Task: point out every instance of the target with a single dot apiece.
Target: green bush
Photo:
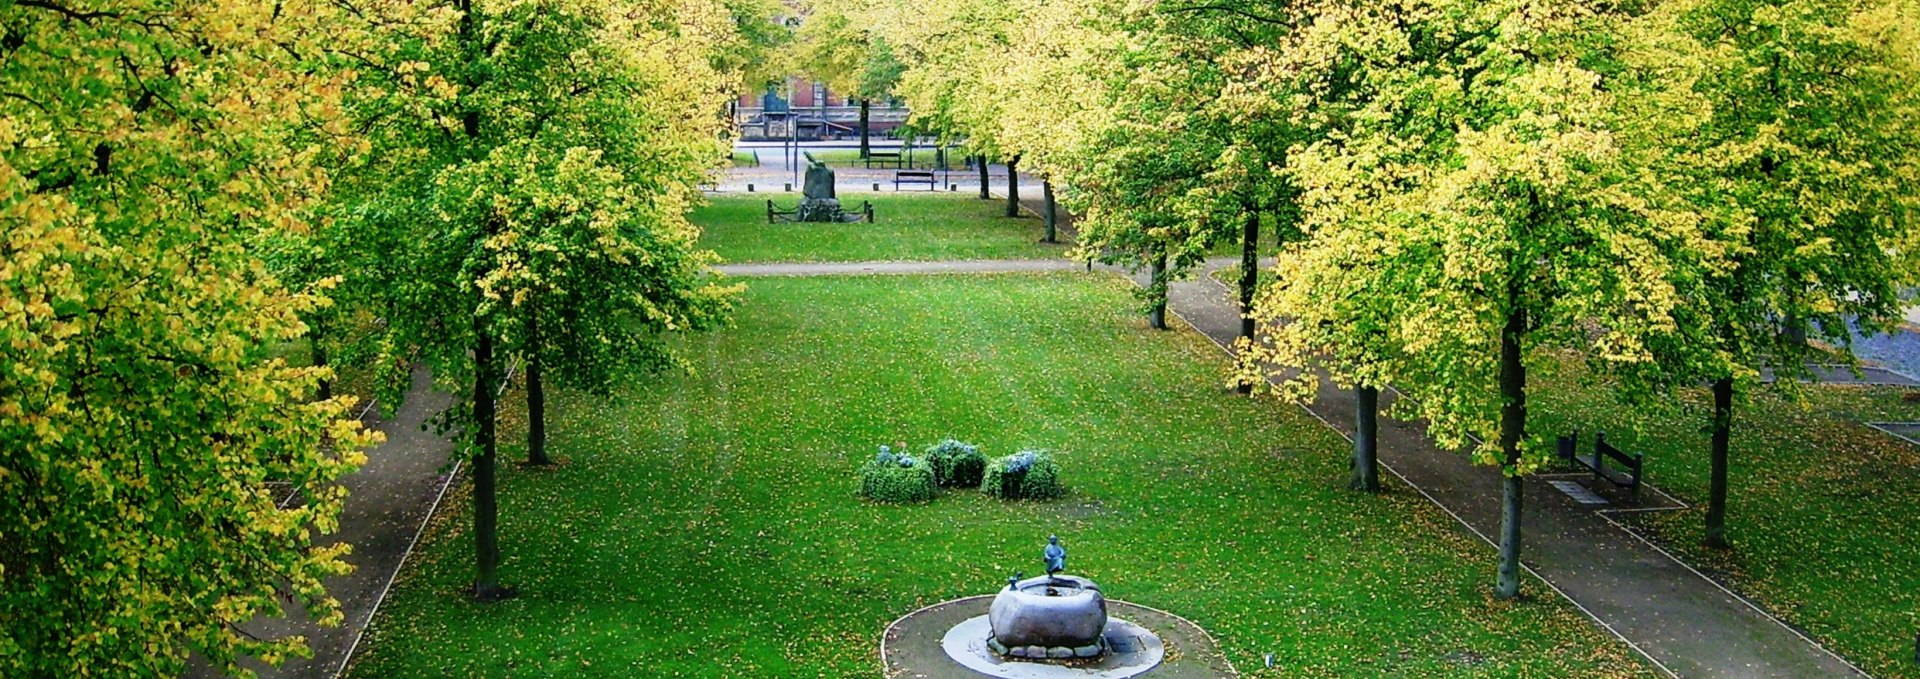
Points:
(1026, 475)
(896, 478)
(956, 463)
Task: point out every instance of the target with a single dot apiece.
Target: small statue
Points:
(1013, 581)
(1055, 555)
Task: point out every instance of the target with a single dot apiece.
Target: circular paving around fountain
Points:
(937, 642)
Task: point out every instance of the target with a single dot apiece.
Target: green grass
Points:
(708, 525)
(745, 158)
(923, 157)
(1821, 507)
(906, 227)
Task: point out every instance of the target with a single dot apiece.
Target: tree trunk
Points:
(486, 509)
(1013, 186)
(866, 110)
(1046, 190)
(1513, 425)
(982, 162)
(536, 399)
(1717, 484)
(1249, 271)
(1366, 440)
(1249, 278)
(324, 390)
(1157, 314)
(1795, 332)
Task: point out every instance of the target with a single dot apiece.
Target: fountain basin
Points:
(1048, 617)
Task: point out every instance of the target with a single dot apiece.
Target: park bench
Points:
(885, 158)
(1630, 466)
(914, 177)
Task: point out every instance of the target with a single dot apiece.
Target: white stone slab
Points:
(966, 643)
(1579, 493)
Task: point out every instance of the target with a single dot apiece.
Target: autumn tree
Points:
(955, 77)
(1792, 128)
(145, 147)
(1062, 89)
(540, 157)
(1467, 200)
(837, 44)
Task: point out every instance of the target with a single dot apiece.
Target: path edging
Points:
(1603, 514)
(452, 473)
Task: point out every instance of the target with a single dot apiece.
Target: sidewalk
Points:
(388, 499)
(775, 178)
(1684, 622)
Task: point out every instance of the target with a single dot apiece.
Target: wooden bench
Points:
(1630, 466)
(884, 158)
(914, 177)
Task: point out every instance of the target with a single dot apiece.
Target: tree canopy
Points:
(145, 416)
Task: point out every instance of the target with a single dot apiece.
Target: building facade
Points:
(809, 111)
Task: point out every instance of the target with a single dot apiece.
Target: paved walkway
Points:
(1685, 623)
(389, 499)
(776, 178)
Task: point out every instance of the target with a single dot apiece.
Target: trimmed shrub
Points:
(896, 478)
(1026, 475)
(956, 463)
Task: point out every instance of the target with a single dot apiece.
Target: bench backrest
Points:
(1601, 447)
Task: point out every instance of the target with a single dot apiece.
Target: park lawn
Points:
(708, 524)
(1820, 506)
(907, 227)
(922, 156)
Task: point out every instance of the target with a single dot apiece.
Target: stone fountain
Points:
(1053, 617)
(1054, 626)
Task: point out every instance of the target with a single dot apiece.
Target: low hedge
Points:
(1026, 475)
(896, 478)
(956, 464)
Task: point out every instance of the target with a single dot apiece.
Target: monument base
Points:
(1131, 651)
(939, 642)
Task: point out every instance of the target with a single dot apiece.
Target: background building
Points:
(818, 112)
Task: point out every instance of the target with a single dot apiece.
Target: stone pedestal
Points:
(820, 210)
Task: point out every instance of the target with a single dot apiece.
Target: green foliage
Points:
(1804, 202)
(1816, 494)
(1441, 228)
(530, 166)
(147, 148)
(564, 213)
(836, 44)
(902, 479)
(680, 492)
(956, 464)
(1026, 475)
